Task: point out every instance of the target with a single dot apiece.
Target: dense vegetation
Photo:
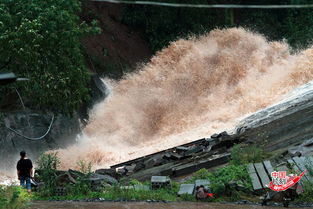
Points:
(161, 25)
(13, 197)
(40, 40)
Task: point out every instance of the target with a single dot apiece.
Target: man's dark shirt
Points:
(24, 166)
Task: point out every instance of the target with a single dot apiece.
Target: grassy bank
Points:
(13, 197)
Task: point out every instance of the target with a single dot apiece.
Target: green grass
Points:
(13, 197)
(116, 193)
(307, 195)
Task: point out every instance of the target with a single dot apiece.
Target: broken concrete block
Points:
(110, 172)
(97, 179)
(181, 149)
(130, 169)
(195, 165)
(186, 189)
(173, 156)
(215, 136)
(160, 182)
(121, 171)
(139, 166)
(153, 162)
(193, 149)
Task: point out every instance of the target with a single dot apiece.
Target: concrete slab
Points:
(186, 189)
(203, 182)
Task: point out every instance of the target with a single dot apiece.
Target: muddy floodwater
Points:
(142, 205)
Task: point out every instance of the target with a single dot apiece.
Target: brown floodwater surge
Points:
(189, 90)
(142, 205)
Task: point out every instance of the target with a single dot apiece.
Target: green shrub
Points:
(82, 186)
(13, 197)
(40, 40)
(307, 195)
(291, 24)
(241, 155)
(47, 165)
(221, 177)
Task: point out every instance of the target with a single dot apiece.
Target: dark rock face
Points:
(33, 124)
(282, 125)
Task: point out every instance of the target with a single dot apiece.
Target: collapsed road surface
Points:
(144, 205)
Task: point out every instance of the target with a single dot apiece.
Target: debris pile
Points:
(181, 160)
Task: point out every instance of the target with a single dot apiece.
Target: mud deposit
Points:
(141, 205)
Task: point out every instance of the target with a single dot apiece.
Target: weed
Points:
(47, 165)
(12, 197)
(241, 155)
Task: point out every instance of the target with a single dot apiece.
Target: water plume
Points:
(189, 90)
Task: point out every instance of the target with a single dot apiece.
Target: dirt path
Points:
(141, 205)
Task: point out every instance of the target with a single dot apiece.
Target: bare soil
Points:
(117, 44)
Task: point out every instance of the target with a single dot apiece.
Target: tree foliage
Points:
(161, 25)
(40, 40)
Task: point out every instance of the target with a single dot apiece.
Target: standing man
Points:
(24, 171)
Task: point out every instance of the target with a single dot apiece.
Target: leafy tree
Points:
(40, 40)
(161, 25)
